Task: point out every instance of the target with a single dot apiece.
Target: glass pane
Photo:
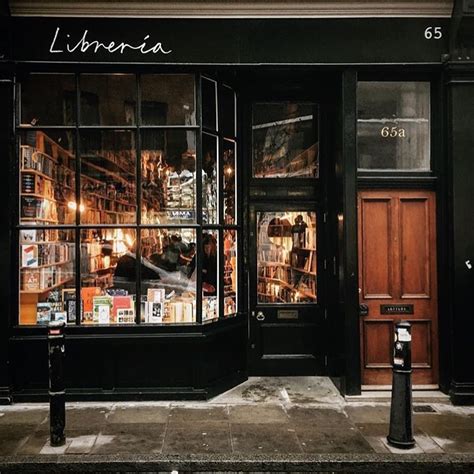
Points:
(393, 129)
(230, 272)
(168, 177)
(48, 99)
(108, 188)
(227, 116)
(108, 276)
(209, 104)
(47, 276)
(108, 99)
(210, 276)
(168, 99)
(286, 257)
(230, 177)
(168, 276)
(285, 142)
(209, 179)
(47, 178)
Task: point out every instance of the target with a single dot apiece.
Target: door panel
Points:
(377, 223)
(397, 279)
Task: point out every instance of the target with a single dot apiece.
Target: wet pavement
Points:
(264, 416)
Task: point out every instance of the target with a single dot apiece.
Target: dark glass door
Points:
(286, 290)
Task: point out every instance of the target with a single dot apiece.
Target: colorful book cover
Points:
(87, 296)
(43, 313)
(121, 302)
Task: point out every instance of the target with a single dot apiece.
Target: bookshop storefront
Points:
(251, 198)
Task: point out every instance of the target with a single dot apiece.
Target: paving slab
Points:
(332, 440)
(182, 414)
(318, 417)
(130, 439)
(264, 438)
(23, 416)
(197, 438)
(137, 414)
(368, 413)
(257, 414)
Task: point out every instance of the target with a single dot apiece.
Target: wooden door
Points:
(397, 281)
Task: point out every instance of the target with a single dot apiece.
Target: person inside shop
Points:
(209, 265)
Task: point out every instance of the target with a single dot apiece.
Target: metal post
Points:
(401, 420)
(57, 394)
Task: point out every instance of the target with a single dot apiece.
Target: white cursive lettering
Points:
(83, 45)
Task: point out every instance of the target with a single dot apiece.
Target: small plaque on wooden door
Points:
(396, 309)
(287, 314)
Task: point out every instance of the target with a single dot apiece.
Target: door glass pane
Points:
(286, 257)
(393, 126)
(285, 140)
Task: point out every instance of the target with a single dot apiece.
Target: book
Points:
(87, 297)
(43, 313)
(29, 255)
(101, 311)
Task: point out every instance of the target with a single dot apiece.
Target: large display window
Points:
(127, 200)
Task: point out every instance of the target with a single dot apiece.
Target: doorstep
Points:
(419, 396)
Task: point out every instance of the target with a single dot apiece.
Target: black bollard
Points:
(401, 420)
(57, 394)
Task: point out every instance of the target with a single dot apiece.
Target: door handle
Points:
(260, 316)
(363, 310)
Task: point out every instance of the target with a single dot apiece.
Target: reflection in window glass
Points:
(47, 276)
(108, 186)
(108, 99)
(227, 106)
(47, 178)
(230, 272)
(209, 104)
(48, 99)
(168, 176)
(393, 128)
(230, 176)
(285, 140)
(286, 257)
(210, 278)
(168, 276)
(168, 99)
(108, 276)
(209, 179)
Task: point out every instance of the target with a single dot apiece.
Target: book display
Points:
(286, 257)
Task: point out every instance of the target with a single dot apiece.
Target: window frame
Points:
(138, 226)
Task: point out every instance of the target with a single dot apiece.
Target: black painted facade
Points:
(321, 59)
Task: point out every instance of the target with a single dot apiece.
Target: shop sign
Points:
(63, 42)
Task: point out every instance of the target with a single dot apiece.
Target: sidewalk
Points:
(298, 424)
